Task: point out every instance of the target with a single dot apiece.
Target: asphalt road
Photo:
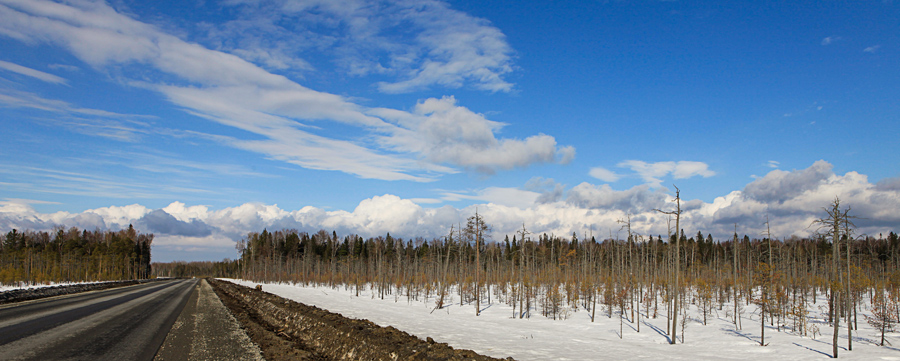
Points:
(128, 323)
(206, 330)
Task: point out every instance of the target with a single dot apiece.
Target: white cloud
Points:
(872, 49)
(779, 185)
(225, 88)
(511, 197)
(64, 67)
(174, 165)
(688, 169)
(773, 164)
(194, 244)
(586, 207)
(446, 133)
(548, 189)
(888, 184)
(426, 200)
(604, 174)
(653, 172)
(794, 199)
(160, 221)
(830, 39)
(53, 181)
(186, 214)
(37, 74)
(460, 49)
(422, 43)
(26, 201)
(22, 99)
(566, 154)
(637, 199)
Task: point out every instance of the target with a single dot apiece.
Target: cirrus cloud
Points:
(422, 43)
(37, 74)
(282, 118)
(652, 173)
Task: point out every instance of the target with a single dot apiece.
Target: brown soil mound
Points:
(285, 329)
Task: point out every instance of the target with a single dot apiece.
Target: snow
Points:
(496, 333)
(20, 286)
(26, 286)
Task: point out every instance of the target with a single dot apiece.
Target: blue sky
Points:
(201, 121)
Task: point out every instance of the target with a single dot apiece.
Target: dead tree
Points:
(734, 247)
(675, 283)
(833, 223)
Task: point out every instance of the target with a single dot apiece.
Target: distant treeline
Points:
(225, 268)
(290, 255)
(634, 277)
(73, 255)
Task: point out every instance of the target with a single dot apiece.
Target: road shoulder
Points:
(206, 330)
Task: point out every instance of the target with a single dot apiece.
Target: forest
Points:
(537, 275)
(639, 276)
(224, 268)
(73, 255)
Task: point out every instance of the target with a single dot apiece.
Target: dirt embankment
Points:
(35, 293)
(285, 329)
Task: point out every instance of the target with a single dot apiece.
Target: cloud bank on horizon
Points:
(203, 121)
(792, 201)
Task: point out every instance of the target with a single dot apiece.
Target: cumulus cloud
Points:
(795, 199)
(888, 184)
(584, 209)
(635, 200)
(444, 132)
(281, 114)
(779, 185)
(548, 189)
(159, 221)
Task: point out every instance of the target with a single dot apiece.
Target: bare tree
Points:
(833, 224)
(734, 247)
(477, 229)
(883, 313)
(446, 265)
(675, 283)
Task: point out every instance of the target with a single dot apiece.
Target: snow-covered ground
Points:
(20, 286)
(496, 333)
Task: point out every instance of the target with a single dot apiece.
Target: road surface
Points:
(206, 330)
(127, 323)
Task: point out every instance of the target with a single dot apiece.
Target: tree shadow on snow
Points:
(632, 327)
(486, 307)
(741, 334)
(830, 345)
(814, 350)
(659, 331)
